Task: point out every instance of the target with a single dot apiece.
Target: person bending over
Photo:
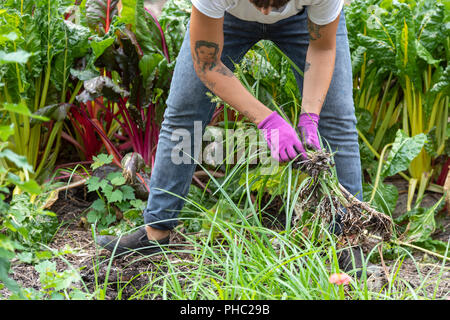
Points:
(312, 33)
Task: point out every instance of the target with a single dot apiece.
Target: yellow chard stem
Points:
(420, 126)
(411, 190)
(405, 118)
(363, 67)
(380, 166)
(53, 135)
(426, 176)
(434, 110)
(409, 102)
(46, 81)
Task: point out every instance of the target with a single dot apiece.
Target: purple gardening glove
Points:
(308, 124)
(289, 146)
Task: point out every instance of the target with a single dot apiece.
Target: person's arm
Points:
(319, 65)
(206, 35)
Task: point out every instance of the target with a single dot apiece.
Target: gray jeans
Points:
(188, 102)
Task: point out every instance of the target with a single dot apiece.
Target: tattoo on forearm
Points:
(307, 66)
(206, 59)
(206, 53)
(209, 84)
(225, 71)
(314, 30)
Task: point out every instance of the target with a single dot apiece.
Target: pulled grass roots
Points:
(328, 199)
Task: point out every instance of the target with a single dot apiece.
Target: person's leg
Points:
(186, 104)
(188, 112)
(337, 125)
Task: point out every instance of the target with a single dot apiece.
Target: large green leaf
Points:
(443, 84)
(128, 13)
(358, 59)
(403, 151)
(100, 45)
(147, 33)
(4, 270)
(364, 120)
(406, 61)
(421, 222)
(99, 14)
(34, 43)
(21, 108)
(429, 32)
(56, 112)
(425, 54)
(385, 199)
(356, 16)
(148, 66)
(6, 131)
(19, 161)
(173, 19)
(381, 51)
(7, 35)
(77, 46)
(30, 186)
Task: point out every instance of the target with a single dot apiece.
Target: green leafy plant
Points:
(400, 53)
(417, 224)
(22, 218)
(54, 284)
(402, 151)
(40, 47)
(25, 226)
(28, 223)
(116, 200)
(58, 285)
(126, 80)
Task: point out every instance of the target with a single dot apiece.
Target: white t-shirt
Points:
(319, 11)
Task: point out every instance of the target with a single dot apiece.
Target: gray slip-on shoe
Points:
(351, 260)
(134, 242)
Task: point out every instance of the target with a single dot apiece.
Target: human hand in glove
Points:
(289, 145)
(307, 125)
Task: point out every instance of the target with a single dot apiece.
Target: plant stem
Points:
(380, 166)
(401, 243)
(411, 189)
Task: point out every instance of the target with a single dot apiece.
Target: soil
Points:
(132, 271)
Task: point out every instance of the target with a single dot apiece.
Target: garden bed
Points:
(129, 276)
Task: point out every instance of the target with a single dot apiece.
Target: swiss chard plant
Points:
(126, 80)
(38, 49)
(400, 53)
